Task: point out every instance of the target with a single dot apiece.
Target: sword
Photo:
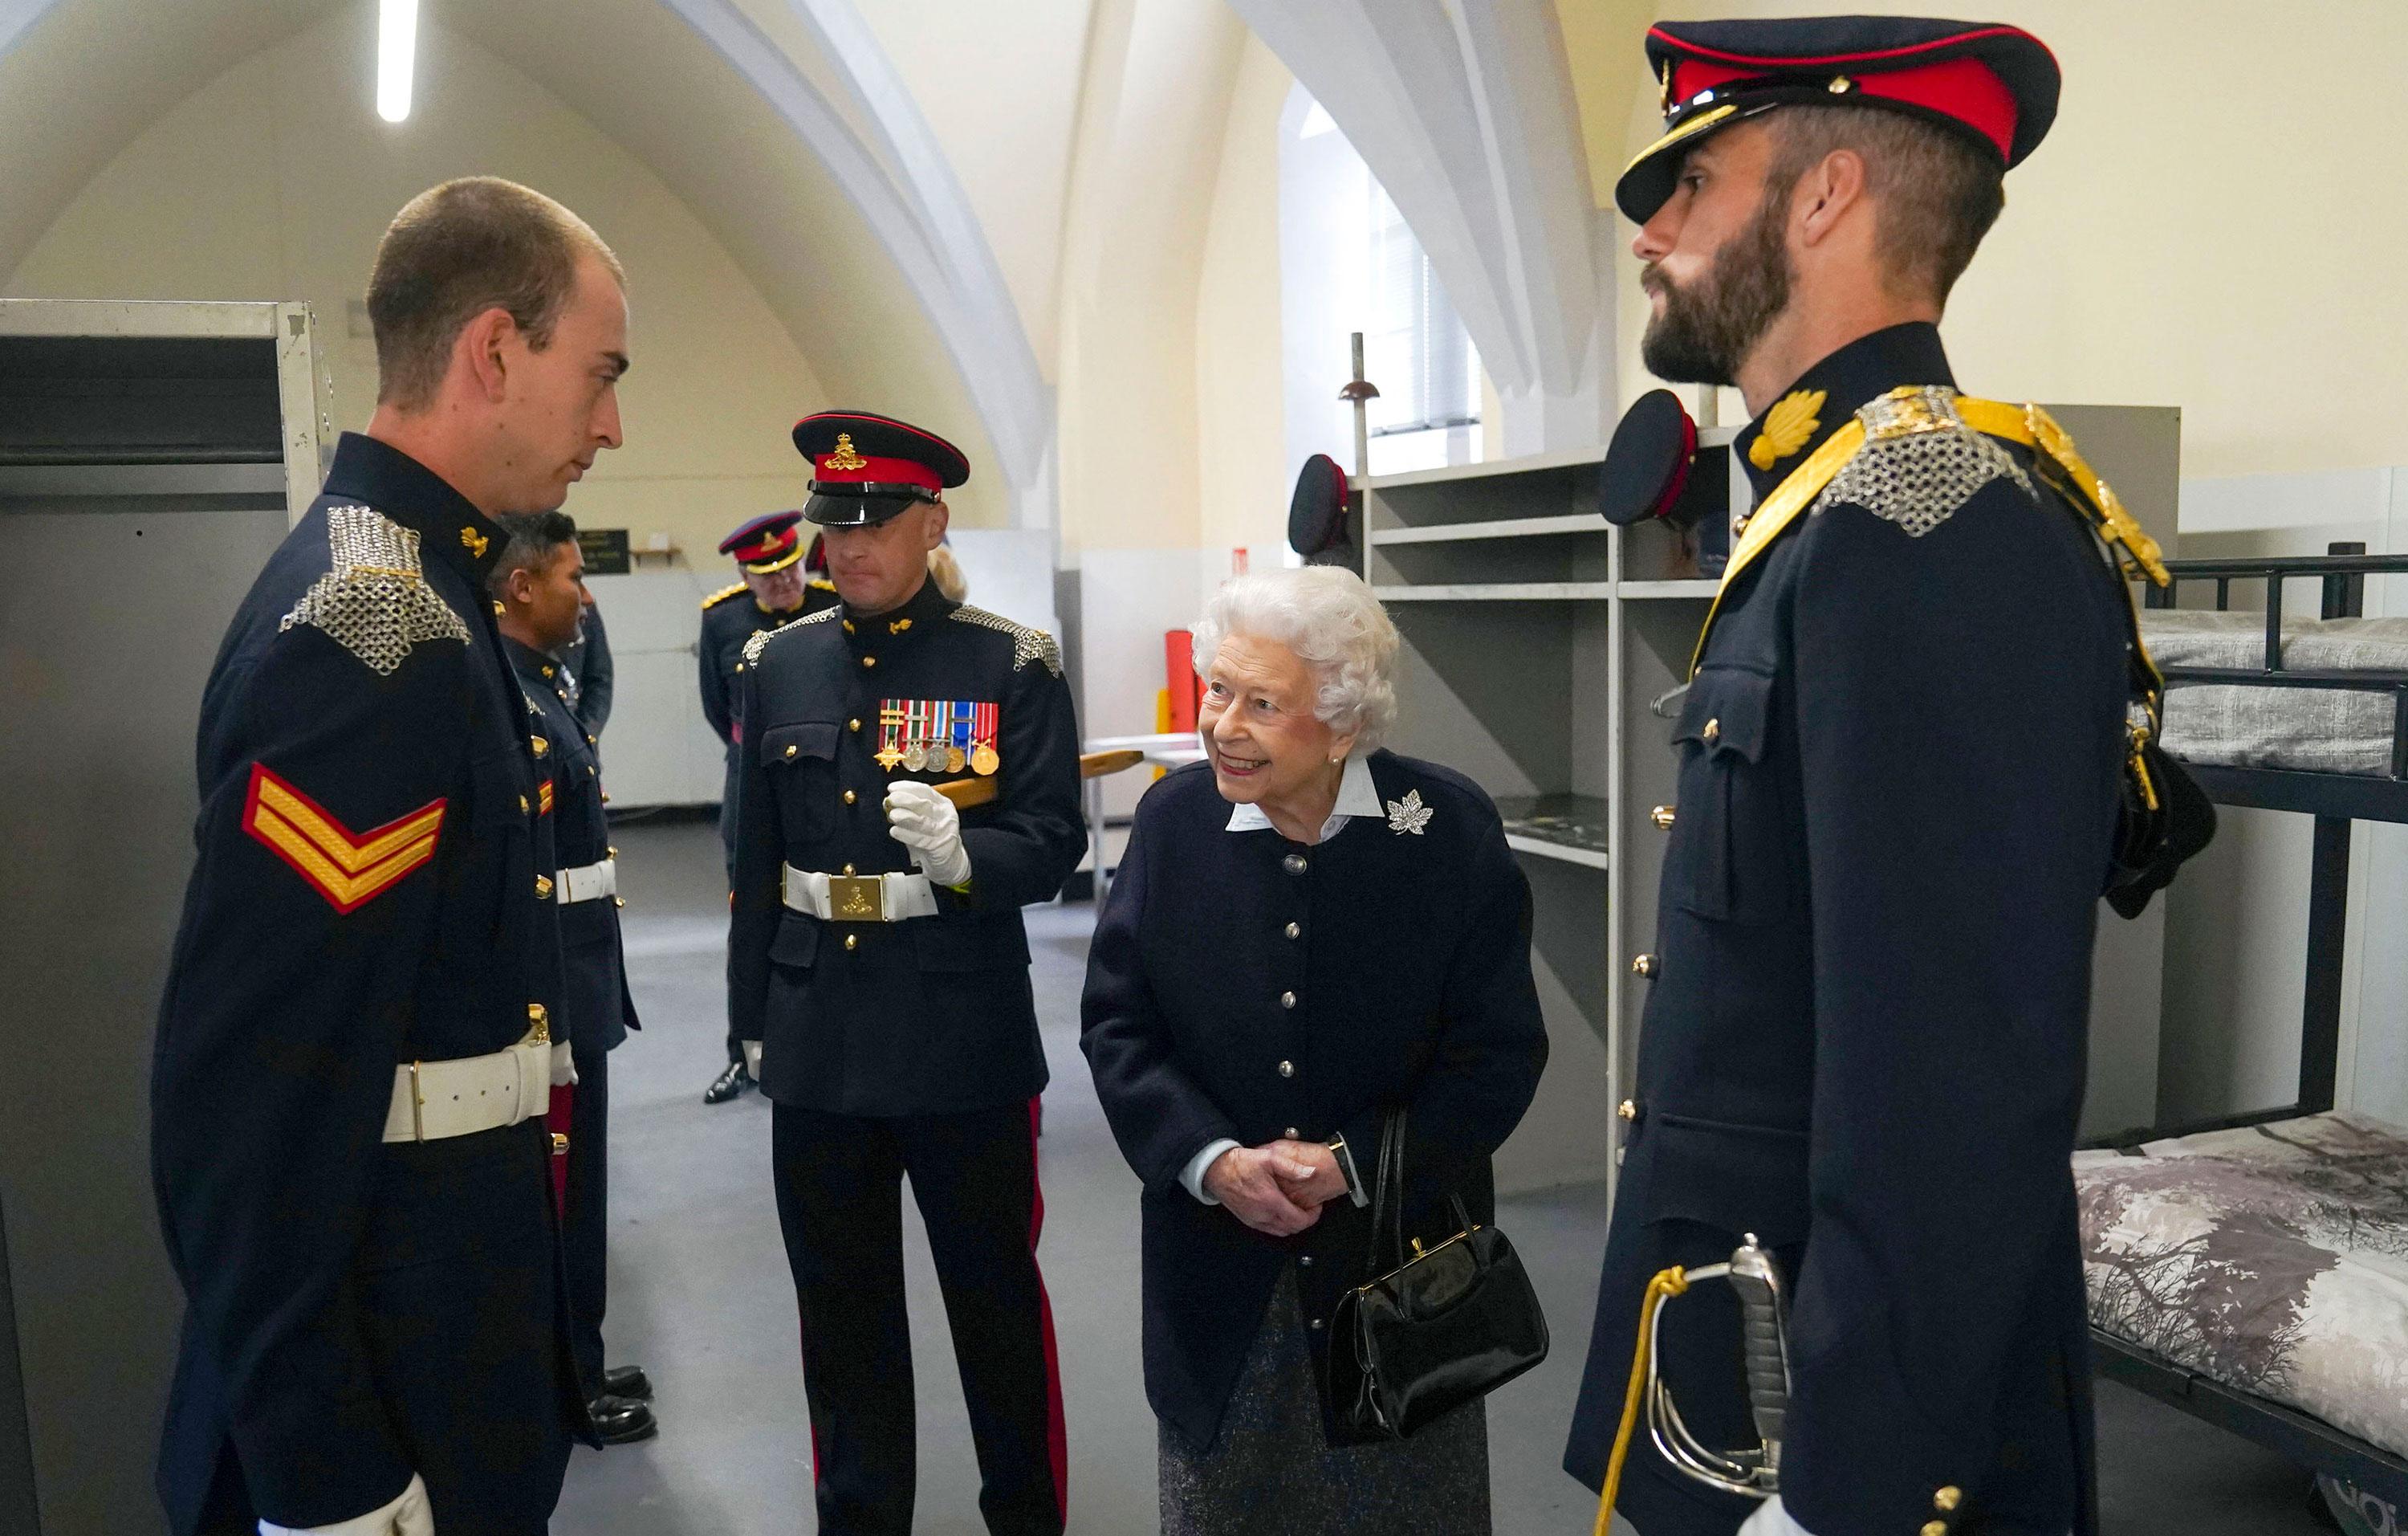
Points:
(965, 793)
(1754, 1472)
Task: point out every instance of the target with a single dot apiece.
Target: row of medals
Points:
(943, 758)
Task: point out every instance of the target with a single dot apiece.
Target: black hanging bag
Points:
(1432, 1331)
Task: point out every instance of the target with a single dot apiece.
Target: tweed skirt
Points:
(1271, 1472)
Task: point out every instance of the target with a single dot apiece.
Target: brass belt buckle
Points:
(856, 899)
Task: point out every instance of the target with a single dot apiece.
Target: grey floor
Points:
(700, 1294)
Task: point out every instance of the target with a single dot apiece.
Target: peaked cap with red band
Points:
(1995, 84)
(866, 468)
(767, 543)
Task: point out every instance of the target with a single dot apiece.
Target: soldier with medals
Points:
(782, 582)
(363, 1016)
(1918, 722)
(539, 586)
(879, 976)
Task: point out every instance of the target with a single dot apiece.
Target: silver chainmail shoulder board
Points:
(1028, 644)
(374, 600)
(1920, 462)
(761, 638)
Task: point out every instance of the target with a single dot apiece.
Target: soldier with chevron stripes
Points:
(362, 1022)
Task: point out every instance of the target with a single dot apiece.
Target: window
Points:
(1348, 263)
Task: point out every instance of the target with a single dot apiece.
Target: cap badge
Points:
(1841, 85)
(474, 541)
(1786, 428)
(844, 457)
(1663, 91)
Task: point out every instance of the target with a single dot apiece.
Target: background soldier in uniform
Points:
(879, 970)
(540, 588)
(1899, 792)
(778, 578)
(357, 1036)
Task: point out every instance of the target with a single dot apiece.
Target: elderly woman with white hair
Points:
(1307, 933)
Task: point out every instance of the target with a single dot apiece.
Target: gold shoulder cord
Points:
(2028, 425)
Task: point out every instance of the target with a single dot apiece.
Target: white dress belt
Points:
(859, 898)
(433, 1100)
(587, 883)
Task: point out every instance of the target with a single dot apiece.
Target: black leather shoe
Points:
(622, 1421)
(627, 1381)
(731, 1082)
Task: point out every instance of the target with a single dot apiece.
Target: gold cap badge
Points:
(1786, 428)
(844, 457)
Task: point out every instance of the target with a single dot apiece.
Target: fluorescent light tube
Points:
(397, 53)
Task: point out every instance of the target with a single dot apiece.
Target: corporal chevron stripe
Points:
(348, 870)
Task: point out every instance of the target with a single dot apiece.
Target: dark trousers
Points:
(727, 848)
(839, 1204)
(585, 1212)
(456, 1298)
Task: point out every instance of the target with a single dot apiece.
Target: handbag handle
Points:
(1388, 1196)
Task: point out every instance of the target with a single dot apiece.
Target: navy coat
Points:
(730, 618)
(365, 895)
(928, 1015)
(1865, 1040)
(1408, 956)
(593, 961)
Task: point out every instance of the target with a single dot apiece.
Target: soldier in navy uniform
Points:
(364, 1014)
(880, 974)
(539, 587)
(1901, 759)
(783, 582)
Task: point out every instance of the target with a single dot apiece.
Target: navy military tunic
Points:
(372, 888)
(730, 618)
(1244, 986)
(931, 1014)
(1865, 1043)
(594, 997)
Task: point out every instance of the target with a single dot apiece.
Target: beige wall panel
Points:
(250, 189)
(2195, 231)
(1239, 403)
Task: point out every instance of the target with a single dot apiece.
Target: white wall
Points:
(2206, 226)
(252, 189)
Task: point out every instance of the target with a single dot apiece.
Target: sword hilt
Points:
(1763, 1317)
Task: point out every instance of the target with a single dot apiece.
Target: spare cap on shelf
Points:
(1647, 463)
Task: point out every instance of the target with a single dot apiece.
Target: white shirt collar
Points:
(1357, 795)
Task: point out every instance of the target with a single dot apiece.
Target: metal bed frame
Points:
(2334, 800)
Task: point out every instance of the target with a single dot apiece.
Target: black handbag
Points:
(1452, 1323)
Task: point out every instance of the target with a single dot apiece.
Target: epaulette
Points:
(761, 638)
(1915, 455)
(1028, 644)
(723, 594)
(374, 600)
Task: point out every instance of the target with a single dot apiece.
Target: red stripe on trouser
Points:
(813, 1417)
(555, 1120)
(1057, 1441)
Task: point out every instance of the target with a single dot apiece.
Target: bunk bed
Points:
(2252, 1269)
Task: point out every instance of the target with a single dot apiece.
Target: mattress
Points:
(2323, 730)
(2274, 1259)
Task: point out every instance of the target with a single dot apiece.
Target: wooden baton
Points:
(965, 793)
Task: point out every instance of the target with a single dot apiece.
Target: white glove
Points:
(927, 822)
(563, 1070)
(409, 1515)
(752, 1058)
(1772, 1520)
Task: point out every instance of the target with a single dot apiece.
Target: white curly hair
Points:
(1327, 616)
